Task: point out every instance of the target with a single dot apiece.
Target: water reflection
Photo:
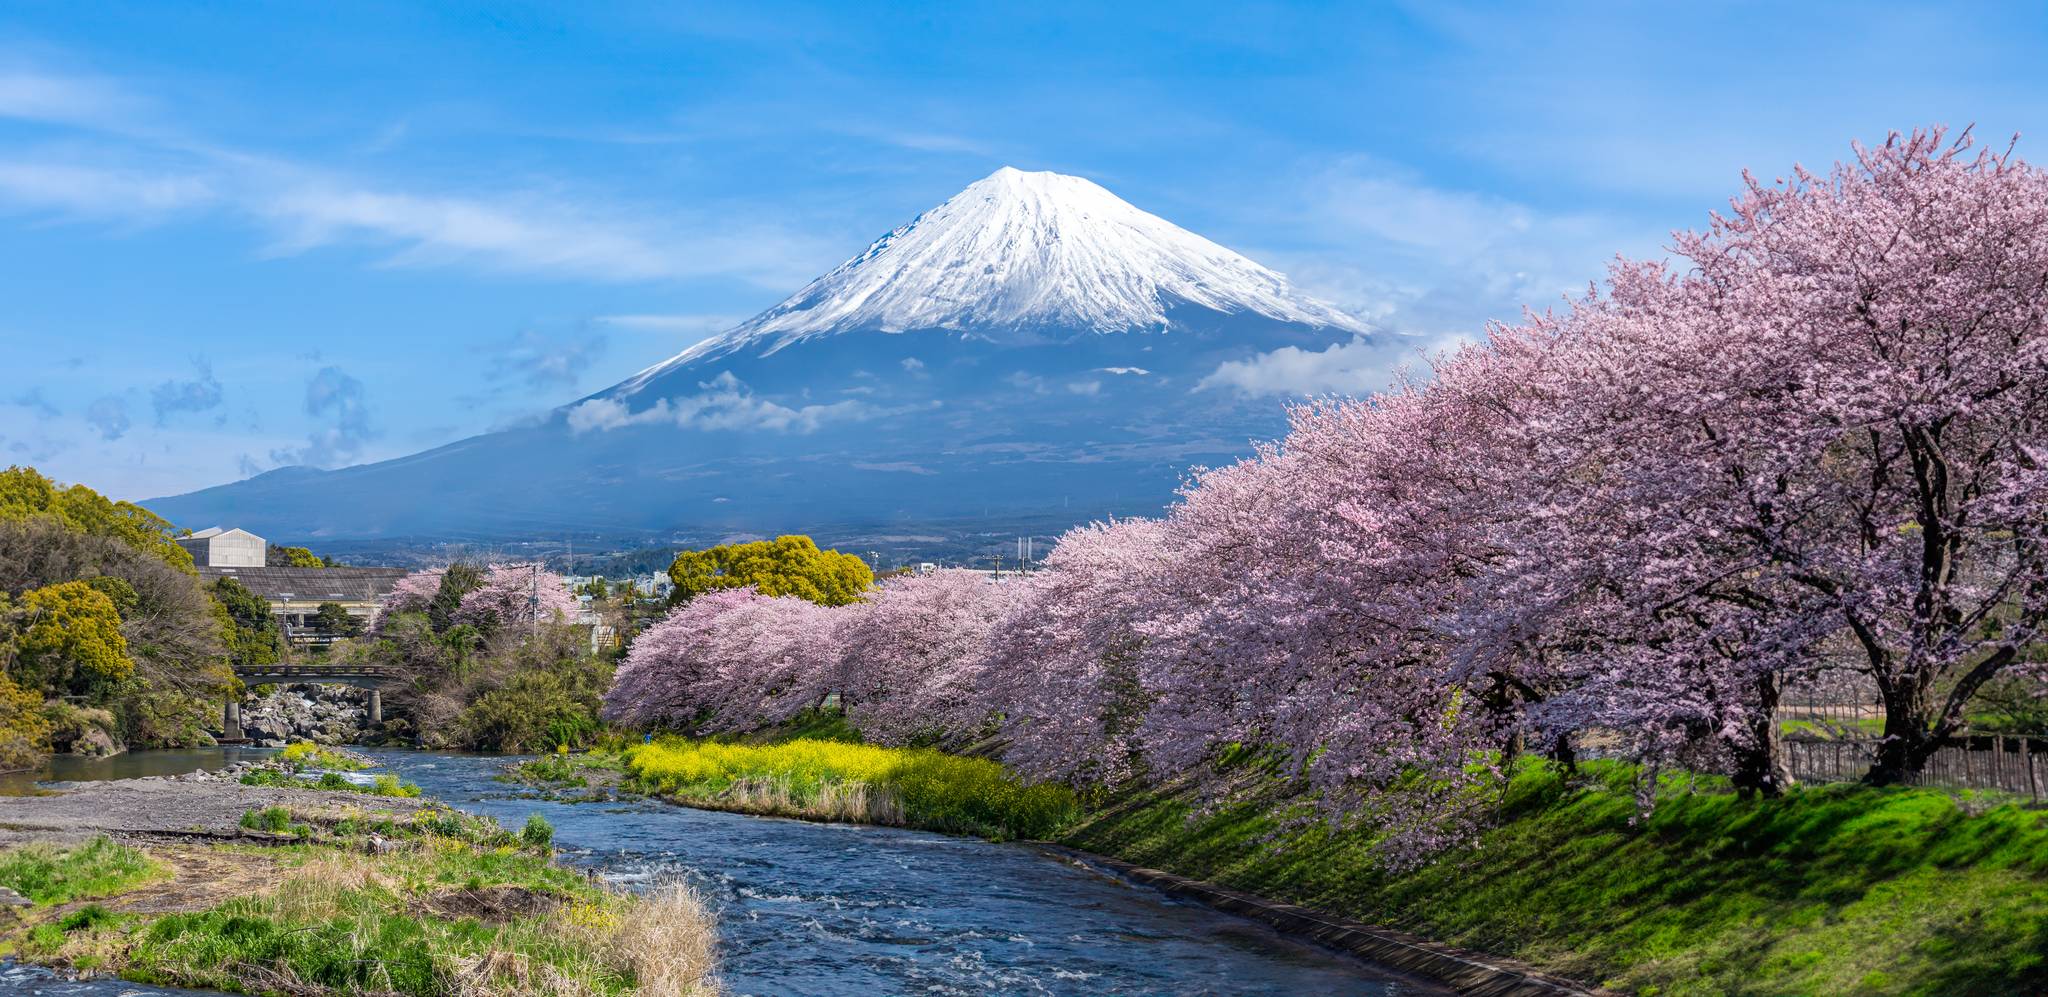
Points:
(128, 765)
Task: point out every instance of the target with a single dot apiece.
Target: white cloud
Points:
(1355, 368)
(93, 192)
(702, 325)
(903, 466)
(1029, 382)
(1089, 388)
(33, 95)
(725, 403)
(1140, 371)
(913, 364)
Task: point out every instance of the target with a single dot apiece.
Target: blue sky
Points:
(235, 236)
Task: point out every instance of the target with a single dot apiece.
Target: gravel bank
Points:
(181, 805)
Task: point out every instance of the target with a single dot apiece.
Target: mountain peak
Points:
(1023, 253)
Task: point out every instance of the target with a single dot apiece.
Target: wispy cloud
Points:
(725, 403)
(702, 325)
(111, 171)
(108, 415)
(31, 94)
(341, 406)
(541, 361)
(198, 394)
(1422, 258)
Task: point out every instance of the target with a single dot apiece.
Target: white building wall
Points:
(235, 549)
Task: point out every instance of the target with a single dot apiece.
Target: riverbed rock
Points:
(322, 714)
(95, 743)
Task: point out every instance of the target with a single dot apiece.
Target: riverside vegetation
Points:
(1840, 889)
(429, 901)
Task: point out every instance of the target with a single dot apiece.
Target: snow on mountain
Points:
(1016, 254)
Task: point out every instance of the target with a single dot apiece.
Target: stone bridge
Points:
(371, 677)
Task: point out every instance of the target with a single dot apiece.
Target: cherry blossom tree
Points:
(413, 594)
(515, 596)
(1063, 665)
(1866, 352)
(728, 660)
(912, 654)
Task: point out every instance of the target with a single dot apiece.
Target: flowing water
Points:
(819, 910)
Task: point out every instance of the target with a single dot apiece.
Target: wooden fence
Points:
(2017, 765)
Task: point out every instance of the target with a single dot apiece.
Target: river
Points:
(821, 910)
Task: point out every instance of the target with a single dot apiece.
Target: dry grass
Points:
(849, 802)
(668, 940)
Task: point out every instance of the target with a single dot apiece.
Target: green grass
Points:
(385, 784)
(835, 780)
(301, 755)
(1828, 730)
(1830, 890)
(99, 868)
(367, 935)
(463, 908)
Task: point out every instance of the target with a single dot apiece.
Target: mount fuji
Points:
(1033, 347)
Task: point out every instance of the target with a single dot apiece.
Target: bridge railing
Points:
(317, 672)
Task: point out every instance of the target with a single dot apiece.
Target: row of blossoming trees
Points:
(1809, 446)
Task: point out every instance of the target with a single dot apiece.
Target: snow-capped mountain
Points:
(1018, 254)
(1033, 345)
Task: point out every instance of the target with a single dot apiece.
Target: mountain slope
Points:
(1032, 345)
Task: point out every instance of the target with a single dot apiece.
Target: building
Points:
(295, 594)
(218, 548)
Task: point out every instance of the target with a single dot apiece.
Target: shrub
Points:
(539, 708)
(538, 834)
(272, 819)
(24, 732)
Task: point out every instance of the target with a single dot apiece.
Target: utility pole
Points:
(533, 598)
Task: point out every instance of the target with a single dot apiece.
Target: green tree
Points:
(70, 639)
(26, 494)
(459, 580)
(253, 637)
(332, 618)
(790, 565)
(296, 557)
(117, 590)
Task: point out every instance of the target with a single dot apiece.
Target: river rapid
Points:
(821, 910)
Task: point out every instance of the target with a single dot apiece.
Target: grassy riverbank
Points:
(429, 901)
(1831, 890)
(48, 874)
